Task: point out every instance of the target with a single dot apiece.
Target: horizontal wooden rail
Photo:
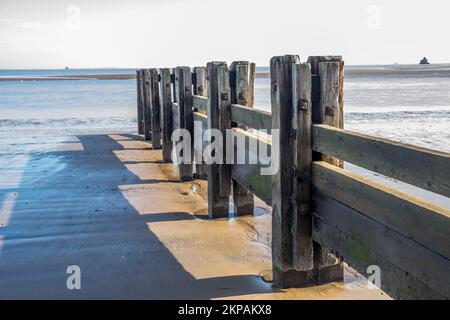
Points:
(249, 175)
(253, 118)
(200, 103)
(424, 168)
(422, 221)
(407, 270)
(410, 233)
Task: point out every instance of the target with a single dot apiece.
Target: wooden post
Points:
(327, 109)
(284, 273)
(302, 249)
(200, 89)
(242, 79)
(139, 102)
(155, 108)
(183, 90)
(147, 108)
(219, 117)
(166, 115)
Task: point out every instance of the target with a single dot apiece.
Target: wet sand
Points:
(106, 203)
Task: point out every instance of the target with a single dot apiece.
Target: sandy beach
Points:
(106, 203)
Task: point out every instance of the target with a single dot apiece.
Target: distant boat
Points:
(424, 61)
(67, 68)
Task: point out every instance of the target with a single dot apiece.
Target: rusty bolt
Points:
(329, 111)
(224, 96)
(303, 105)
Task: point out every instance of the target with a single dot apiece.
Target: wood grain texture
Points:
(200, 95)
(252, 118)
(249, 175)
(282, 187)
(418, 220)
(155, 107)
(166, 114)
(407, 269)
(329, 98)
(218, 118)
(302, 245)
(424, 168)
(139, 102)
(241, 82)
(326, 108)
(147, 115)
(183, 90)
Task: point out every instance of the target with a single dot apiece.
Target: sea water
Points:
(412, 109)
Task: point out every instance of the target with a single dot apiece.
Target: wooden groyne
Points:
(323, 215)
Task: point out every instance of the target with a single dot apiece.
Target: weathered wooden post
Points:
(147, 104)
(200, 89)
(183, 91)
(139, 102)
(327, 108)
(166, 114)
(219, 117)
(155, 108)
(242, 77)
(302, 243)
(284, 270)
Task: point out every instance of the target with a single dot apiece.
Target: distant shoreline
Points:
(73, 77)
(401, 71)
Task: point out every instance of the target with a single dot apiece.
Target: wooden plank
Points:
(199, 143)
(183, 85)
(329, 98)
(147, 116)
(407, 269)
(139, 102)
(200, 85)
(240, 79)
(200, 93)
(249, 175)
(252, 118)
(424, 168)
(219, 175)
(155, 108)
(302, 244)
(251, 85)
(284, 274)
(314, 61)
(200, 103)
(326, 109)
(166, 114)
(415, 219)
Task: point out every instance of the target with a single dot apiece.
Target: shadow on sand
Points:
(68, 209)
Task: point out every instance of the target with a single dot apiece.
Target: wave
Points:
(69, 122)
(398, 115)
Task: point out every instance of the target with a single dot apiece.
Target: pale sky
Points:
(157, 33)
